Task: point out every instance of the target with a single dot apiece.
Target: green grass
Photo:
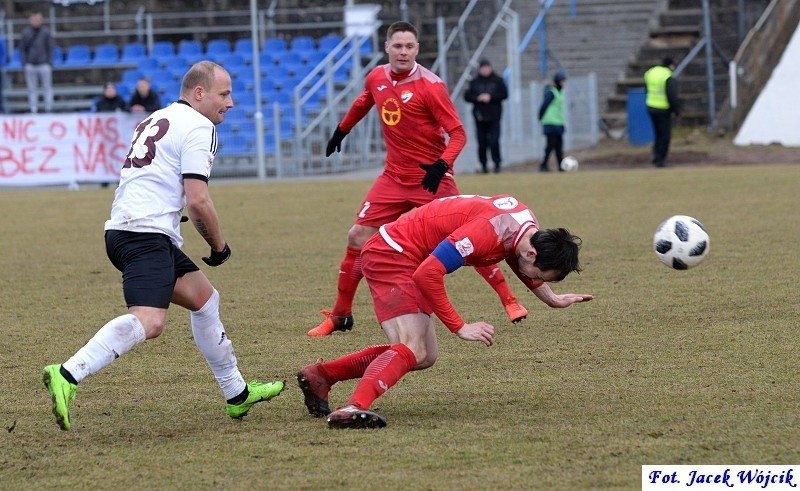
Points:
(664, 367)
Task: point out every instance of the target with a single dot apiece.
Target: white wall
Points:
(775, 117)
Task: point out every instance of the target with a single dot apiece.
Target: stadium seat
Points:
(233, 62)
(302, 44)
(14, 60)
(162, 49)
(174, 62)
(244, 99)
(328, 42)
(244, 48)
(218, 48)
(78, 54)
(58, 55)
(274, 45)
(148, 65)
(133, 52)
(191, 50)
(131, 76)
(105, 54)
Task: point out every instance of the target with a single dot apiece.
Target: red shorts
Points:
(388, 274)
(387, 199)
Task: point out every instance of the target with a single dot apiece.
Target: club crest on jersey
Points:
(390, 112)
(465, 247)
(507, 203)
(406, 96)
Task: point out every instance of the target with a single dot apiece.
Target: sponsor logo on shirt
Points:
(406, 96)
(507, 203)
(380, 88)
(390, 112)
(465, 247)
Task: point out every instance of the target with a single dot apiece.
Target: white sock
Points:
(209, 335)
(113, 340)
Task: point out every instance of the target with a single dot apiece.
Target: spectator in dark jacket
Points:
(144, 98)
(486, 92)
(36, 55)
(110, 101)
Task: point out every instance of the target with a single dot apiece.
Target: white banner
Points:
(48, 149)
(718, 477)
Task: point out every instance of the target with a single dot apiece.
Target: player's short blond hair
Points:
(202, 74)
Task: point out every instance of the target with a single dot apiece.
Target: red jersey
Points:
(415, 112)
(484, 230)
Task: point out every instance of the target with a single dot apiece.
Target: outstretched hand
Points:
(477, 331)
(567, 299)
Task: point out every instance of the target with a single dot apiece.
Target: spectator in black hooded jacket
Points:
(486, 92)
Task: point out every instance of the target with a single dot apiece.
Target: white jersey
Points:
(169, 144)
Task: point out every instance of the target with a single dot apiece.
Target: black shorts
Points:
(150, 265)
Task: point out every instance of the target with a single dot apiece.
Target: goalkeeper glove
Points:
(335, 143)
(433, 175)
(217, 258)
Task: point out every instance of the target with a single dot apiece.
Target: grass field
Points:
(663, 367)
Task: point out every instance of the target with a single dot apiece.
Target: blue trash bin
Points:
(640, 127)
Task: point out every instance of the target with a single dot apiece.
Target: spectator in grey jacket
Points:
(36, 55)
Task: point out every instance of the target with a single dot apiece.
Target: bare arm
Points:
(203, 214)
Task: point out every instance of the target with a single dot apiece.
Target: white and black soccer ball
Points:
(569, 164)
(681, 242)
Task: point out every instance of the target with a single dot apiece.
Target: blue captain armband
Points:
(447, 253)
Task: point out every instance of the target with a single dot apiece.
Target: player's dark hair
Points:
(557, 250)
(401, 26)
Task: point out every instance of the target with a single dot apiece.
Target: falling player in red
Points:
(416, 112)
(405, 265)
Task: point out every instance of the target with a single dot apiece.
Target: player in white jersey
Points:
(166, 173)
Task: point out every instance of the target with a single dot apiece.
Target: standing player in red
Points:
(405, 266)
(416, 112)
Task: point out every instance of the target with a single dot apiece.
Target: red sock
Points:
(494, 276)
(349, 276)
(384, 371)
(352, 365)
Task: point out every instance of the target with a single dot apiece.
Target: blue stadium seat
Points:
(238, 85)
(58, 55)
(218, 48)
(191, 50)
(169, 92)
(105, 54)
(174, 62)
(148, 65)
(236, 113)
(233, 62)
(131, 76)
(133, 52)
(328, 42)
(244, 48)
(302, 43)
(14, 59)
(162, 49)
(78, 54)
(274, 45)
(244, 99)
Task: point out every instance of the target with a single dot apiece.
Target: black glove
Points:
(433, 175)
(335, 143)
(217, 258)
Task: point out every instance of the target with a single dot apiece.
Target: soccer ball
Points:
(569, 164)
(681, 242)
